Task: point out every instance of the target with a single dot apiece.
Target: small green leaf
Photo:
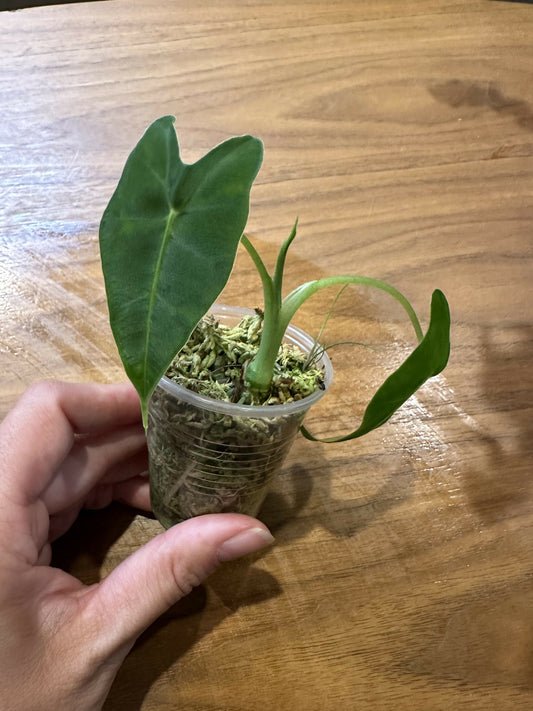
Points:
(168, 240)
(428, 359)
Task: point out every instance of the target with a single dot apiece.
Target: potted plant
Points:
(222, 396)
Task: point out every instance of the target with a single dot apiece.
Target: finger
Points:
(38, 433)
(134, 492)
(133, 466)
(166, 569)
(88, 462)
(61, 523)
(45, 555)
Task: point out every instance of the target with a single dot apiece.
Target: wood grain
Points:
(401, 134)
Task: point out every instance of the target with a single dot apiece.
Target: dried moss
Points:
(214, 359)
(203, 461)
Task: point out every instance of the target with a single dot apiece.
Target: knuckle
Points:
(42, 404)
(188, 575)
(42, 391)
(185, 580)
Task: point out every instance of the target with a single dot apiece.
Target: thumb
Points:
(167, 568)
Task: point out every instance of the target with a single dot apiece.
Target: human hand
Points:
(64, 447)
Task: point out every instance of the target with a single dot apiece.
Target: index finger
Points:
(37, 435)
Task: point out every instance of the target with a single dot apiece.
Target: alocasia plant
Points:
(168, 241)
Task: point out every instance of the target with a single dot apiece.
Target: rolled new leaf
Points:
(428, 359)
(168, 240)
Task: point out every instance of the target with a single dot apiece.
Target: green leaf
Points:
(168, 240)
(428, 359)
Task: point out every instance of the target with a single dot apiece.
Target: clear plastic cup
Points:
(210, 456)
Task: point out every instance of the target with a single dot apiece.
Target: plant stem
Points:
(279, 312)
(259, 372)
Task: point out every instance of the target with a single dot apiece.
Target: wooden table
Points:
(401, 134)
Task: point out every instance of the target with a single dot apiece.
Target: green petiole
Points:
(427, 360)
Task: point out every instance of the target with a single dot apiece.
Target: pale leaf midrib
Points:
(168, 231)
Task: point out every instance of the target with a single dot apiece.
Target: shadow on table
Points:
(301, 500)
(304, 498)
(233, 586)
(240, 584)
(83, 549)
(83, 552)
(507, 385)
(482, 639)
(483, 96)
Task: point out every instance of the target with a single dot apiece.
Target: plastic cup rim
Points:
(293, 335)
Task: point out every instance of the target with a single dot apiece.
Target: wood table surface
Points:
(401, 134)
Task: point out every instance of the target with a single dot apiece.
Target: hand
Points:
(64, 447)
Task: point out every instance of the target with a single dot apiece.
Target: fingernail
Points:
(249, 541)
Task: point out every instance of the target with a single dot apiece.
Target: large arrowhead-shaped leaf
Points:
(168, 240)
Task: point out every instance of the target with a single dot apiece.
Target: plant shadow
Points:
(482, 95)
(507, 386)
(303, 498)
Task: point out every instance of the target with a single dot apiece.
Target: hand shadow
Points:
(233, 586)
(293, 508)
(82, 552)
